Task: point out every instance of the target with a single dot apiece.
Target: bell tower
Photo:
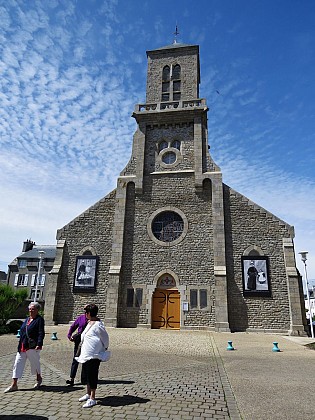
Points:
(171, 168)
(172, 130)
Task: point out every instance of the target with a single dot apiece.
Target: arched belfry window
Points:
(166, 83)
(171, 83)
(166, 74)
(176, 83)
(176, 72)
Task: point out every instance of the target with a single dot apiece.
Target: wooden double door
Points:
(166, 309)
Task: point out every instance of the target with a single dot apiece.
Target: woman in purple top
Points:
(79, 324)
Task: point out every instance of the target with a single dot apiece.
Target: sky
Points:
(71, 72)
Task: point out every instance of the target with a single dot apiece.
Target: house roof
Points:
(50, 252)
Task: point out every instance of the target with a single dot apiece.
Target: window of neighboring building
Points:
(21, 280)
(22, 263)
(41, 280)
(32, 294)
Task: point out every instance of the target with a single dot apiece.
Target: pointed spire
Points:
(176, 33)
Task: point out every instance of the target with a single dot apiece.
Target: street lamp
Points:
(41, 254)
(304, 259)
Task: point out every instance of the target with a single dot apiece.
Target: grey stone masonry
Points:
(173, 230)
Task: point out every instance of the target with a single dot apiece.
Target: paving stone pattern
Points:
(152, 375)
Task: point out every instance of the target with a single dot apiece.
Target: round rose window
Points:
(167, 226)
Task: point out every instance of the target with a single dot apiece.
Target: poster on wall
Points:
(255, 270)
(85, 273)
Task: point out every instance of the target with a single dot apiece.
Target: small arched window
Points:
(87, 252)
(176, 144)
(163, 145)
(176, 72)
(166, 74)
(176, 83)
(253, 253)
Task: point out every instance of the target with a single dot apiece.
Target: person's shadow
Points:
(115, 401)
(54, 388)
(22, 417)
(110, 382)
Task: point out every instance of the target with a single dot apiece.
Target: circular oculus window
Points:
(167, 226)
(168, 158)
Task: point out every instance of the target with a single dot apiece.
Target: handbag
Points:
(76, 338)
(78, 352)
(31, 342)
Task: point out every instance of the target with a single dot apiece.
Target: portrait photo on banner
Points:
(255, 272)
(85, 273)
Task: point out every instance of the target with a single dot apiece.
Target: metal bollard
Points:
(54, 336)
(275, 347)
(230, 347)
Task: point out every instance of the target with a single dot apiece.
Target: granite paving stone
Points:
(153, 374)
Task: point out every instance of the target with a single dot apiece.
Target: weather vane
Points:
(176, 33)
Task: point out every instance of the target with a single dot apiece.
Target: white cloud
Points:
(68, 87)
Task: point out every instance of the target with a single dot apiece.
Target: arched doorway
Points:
(166, 304)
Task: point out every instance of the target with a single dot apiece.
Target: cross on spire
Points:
(176, 33)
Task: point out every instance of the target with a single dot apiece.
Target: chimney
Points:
(27, 245)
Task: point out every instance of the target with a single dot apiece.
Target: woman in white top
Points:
(94, 346)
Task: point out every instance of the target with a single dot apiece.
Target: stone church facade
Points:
(173, 246)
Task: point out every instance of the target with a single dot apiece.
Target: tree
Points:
(10, 300)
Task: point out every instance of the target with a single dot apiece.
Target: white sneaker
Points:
(11, 388)
(90, 403)
(38, 384)
(84, 398)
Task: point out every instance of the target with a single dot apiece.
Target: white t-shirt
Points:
(95, 342)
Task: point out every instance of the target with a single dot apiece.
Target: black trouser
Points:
(75, 364)
(89, 373)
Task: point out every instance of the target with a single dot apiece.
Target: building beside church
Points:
(23, 271)
(173, 246)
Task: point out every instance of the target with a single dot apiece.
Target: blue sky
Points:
(72, 71)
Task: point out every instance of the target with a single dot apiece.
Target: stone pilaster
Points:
(140, 146)
(198, 152)
(221, 304)
(296, 319)
(52, 284)
(116, 257)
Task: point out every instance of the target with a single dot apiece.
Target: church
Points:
(173, 247)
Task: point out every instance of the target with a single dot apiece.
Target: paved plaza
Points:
(158, 374)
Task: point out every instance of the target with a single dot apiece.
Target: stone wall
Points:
(92, 230)
(248, 225)
(186, 58)
(191, 259)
